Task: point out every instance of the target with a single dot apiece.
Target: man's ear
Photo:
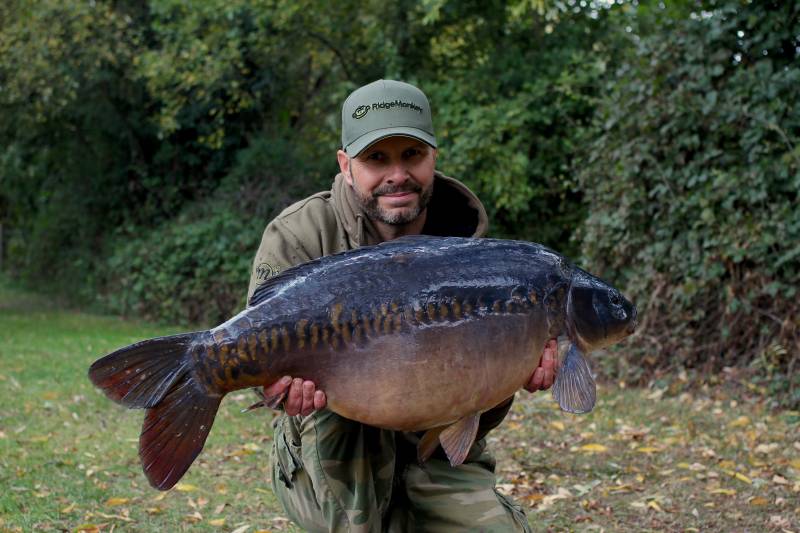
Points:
(344, 166)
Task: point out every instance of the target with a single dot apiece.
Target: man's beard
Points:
(369, 203)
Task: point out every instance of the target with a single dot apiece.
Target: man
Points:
(334, 474)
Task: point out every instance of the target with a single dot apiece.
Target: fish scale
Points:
(391, 333)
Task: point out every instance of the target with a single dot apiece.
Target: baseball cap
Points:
(385, 108)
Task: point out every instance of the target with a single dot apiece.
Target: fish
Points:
(417, 334)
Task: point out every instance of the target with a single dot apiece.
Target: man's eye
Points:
(375, 156)
(411, 152)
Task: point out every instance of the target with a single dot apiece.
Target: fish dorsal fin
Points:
(458, 437)
(272, 285)
(428, 444)
(574, 388)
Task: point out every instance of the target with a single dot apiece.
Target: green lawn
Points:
(679, 459)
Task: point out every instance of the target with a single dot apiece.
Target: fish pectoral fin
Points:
(272, 401)
(574, 388)
(428, 443)
(458, 437)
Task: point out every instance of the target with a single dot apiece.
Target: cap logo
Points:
(360, 111)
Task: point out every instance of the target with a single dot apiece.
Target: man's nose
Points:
(398, 173)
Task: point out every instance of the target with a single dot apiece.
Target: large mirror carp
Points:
(415, 334)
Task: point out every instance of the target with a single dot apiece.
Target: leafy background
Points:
(144, 146)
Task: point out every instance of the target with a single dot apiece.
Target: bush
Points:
(693, 188)
(190, 271)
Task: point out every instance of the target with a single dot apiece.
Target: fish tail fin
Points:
(175, 430)
(157, 374)
(140, 375)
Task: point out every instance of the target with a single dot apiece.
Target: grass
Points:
(675, 459)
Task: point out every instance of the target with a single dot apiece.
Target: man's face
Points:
(392, 179)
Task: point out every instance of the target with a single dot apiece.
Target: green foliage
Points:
(693, 185)
(192, 270)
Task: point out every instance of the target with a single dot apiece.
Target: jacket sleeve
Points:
(279, 249)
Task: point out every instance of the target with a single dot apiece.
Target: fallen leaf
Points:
(593, 448)
(740, 422)
(69, 508)
(217, 522)
(656, 394)
(113, 516)
(779, 521)
(241, 529)
(653, 505)
(759, 501)
(113, 502)
(726, 492)
(780, 480)
(620, 488)
(561, 494)
(647, 449)
(742, 477)
(88, 528)
(185, 487)
(767, 448)
(558, 425)
(252, 447)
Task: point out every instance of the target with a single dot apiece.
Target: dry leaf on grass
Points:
(593, 448)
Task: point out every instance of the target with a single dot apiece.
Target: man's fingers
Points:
(538, 377)
(550, 353)
(547, 378)
(294, 401)
(535, 383)
(544, 374)
(308, 398)
(320, 401)
(278, 388)
(300, 397)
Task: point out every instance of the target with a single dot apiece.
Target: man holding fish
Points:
(334, 474)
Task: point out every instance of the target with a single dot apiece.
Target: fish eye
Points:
(615, 299)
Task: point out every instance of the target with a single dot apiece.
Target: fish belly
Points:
(434, 375)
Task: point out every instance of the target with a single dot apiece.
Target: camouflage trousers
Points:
(334, 474)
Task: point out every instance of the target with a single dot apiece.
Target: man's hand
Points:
(545, 373)
(299, 397)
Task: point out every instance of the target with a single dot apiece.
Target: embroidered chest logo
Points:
(264, 271)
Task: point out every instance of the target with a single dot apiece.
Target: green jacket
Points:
(332, 221)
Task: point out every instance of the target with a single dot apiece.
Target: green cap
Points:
(385, 108)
